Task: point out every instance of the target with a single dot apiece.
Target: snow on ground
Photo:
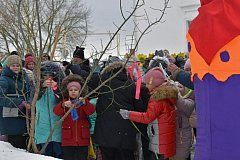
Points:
(8, 152)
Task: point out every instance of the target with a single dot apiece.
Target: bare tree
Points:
(108, 47)
(37, 26)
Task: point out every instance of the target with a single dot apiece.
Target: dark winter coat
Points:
(111, 130)
(184, 78)
(14, 88)
(79, 69)
(75, 133)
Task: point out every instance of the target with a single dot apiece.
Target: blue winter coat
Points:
(184, 78)
(14, 89)
(46, 119)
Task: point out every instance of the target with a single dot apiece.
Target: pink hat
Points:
(155, 77)
(75, 84)
(29, 59)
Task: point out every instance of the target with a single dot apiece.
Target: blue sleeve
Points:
(185, 79)
(6, 100)
(92, 120)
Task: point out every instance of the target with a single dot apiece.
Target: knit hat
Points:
(79, 52)
(75, 84)
(154, 77)
(68, 80)
(28, 54)
(29, 59)
(14, 59)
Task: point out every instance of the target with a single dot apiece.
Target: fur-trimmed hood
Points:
(165, 91)
(71, 78)
(113, 66)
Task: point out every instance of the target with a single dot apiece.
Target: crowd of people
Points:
(114, 116)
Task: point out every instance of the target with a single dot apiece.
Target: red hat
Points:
(29, 59)
(155, 77)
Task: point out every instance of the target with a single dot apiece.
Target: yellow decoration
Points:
(91, 152)
(180, 54)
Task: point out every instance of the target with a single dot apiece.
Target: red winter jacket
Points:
(75, 133)
(161, 117)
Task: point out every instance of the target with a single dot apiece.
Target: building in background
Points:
(170, 34)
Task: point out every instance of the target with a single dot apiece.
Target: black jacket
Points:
(111, 130)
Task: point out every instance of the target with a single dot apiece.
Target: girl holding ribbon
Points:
(76, 127)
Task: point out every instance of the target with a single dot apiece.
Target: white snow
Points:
(8, 152)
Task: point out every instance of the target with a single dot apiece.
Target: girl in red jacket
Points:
(160, 115)
(75, 128)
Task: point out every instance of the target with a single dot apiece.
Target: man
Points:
(79, 64)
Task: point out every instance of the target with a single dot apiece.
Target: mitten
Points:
(124, 113)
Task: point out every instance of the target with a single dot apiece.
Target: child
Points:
(76, 127)
(51, 75)
(160, 114)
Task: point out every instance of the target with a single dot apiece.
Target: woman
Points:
(14, 93)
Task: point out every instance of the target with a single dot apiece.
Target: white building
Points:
(171, 34)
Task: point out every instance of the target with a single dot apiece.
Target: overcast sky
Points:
(104, 14)
(167, 35)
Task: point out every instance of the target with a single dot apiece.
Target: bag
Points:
(9, 112)
(91, 152)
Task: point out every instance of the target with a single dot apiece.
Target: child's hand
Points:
(49, 83)
(68, 104)
(80, 102)
(81, 99)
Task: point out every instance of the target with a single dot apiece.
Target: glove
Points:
(124, 113)
(22, 105)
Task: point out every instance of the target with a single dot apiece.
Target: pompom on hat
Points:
(155, 77)
(79, 52)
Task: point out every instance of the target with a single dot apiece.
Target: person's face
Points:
(77, 60)
(15, 68)
(31, 65)
(73, 92)
(1, 69)
(44, 58)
